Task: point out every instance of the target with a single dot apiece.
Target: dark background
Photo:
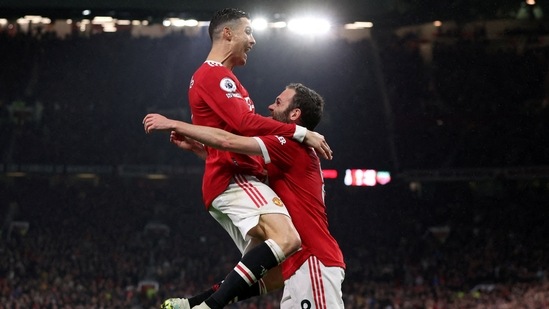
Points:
(464, 136)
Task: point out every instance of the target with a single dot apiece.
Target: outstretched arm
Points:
(213, 137)
(251, 124)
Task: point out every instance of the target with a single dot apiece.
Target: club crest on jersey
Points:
(227, 85)
(277, 201)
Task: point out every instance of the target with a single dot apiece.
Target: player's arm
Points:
(251, 124)
(213, 137)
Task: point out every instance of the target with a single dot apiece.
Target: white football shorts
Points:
(238, 208)
(314, 286)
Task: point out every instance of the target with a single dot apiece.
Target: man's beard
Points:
(282, 117)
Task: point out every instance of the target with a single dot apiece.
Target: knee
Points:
(281, 230)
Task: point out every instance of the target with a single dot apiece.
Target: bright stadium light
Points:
(109, 27)
(278, 25)
(359, 25)
(99, 20)
(191, 23)
(123, 22)
(259, 24)
(35, 19)
(177, 22)
(309, 25)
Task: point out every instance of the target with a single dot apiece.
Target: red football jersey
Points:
(217, 99)
(294, 173)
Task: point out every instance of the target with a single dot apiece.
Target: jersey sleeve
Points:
(236, 109)
(277, 150)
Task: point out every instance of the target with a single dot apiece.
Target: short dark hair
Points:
(309, 102)
(222, 17)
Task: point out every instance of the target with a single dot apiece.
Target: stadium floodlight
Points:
(278, 25)
(359, 25)
(309, 25)
(83, 24)
(191, 23)
(86, 12)
(259, 24)
(109, 27)
(35, 19)
(177, 22)
(99, 20)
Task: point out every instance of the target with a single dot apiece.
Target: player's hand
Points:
(318, 142)
(182, 141)
(188, 144)
(157, 122)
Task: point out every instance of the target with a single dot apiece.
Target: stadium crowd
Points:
(128, 243)
(118, 242)
(473, 105)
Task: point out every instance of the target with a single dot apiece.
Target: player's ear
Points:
(295, 114)
(227, 33)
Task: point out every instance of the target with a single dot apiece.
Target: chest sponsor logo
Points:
(227, 85)
(281, 139)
